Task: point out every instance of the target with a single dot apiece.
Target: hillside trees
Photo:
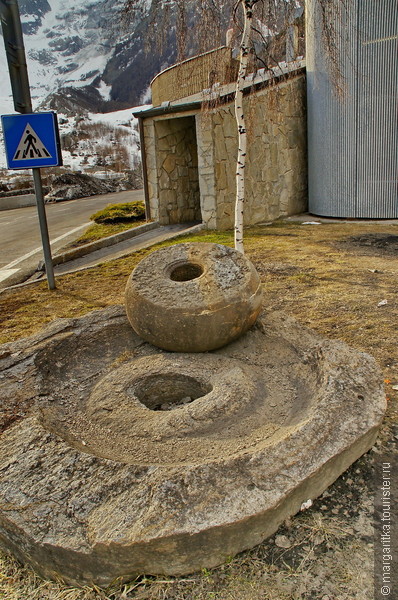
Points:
(199, 24)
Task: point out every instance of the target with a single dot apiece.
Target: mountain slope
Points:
(79, 54)
(82, 56)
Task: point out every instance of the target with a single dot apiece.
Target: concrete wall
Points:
(20, 201)
(276, 175)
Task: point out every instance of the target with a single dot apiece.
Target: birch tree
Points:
(245, 46)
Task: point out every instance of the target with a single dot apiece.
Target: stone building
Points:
(189, 142)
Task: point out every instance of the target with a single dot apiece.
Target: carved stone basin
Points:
(133, 460)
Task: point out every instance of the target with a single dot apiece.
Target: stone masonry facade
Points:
(276, 169)
(191, 159)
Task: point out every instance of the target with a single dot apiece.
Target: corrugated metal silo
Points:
(353, 141)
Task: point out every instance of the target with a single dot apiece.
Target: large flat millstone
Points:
(119, 459)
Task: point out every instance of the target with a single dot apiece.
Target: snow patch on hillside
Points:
(107, 141)
(66, 46)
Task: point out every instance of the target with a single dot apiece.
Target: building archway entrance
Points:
(177, 170)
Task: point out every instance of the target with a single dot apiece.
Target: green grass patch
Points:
(120, 213)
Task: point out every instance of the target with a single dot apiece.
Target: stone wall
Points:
(194, 75)
(206, 166)
(276, 172)
(152, 174)
(177, 170)
(191, 159)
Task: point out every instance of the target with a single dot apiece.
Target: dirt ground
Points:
(341, 280)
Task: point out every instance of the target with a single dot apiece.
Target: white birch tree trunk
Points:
(247, 6)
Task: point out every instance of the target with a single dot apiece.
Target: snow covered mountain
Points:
(83, 61)
(81, 57)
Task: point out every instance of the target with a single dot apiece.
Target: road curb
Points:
(193, 230)
(23, 274)
(111, 240)
(20, 278)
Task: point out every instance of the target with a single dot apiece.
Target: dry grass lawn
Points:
(339, 284)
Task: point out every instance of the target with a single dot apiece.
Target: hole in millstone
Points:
(186, 272)
(169, 391)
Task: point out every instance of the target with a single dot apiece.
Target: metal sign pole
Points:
(15, 51)
(13, 41)
(44, 229)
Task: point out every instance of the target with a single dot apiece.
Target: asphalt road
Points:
(20, 240)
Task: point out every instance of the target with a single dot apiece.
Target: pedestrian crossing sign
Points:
(31, 140)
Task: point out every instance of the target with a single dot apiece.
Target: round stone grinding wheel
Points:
(193, 297)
